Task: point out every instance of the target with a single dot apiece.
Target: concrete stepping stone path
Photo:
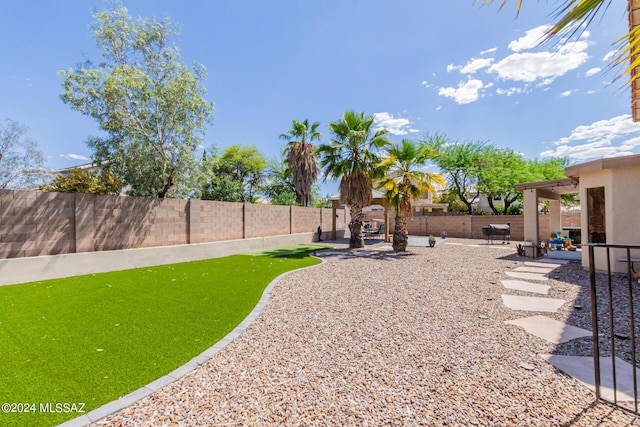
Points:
(581, 368)
(526, 276)
(538, 270)
(519, 285)
(550, 329)
(545, 264)
(516, 302)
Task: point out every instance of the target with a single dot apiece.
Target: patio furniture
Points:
(632, 261)
(503, 230)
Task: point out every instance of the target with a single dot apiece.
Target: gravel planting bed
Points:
(376, 338)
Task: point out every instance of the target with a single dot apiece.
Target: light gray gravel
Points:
(378, 338)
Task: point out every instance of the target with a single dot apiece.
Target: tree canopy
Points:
(477, 168)
(403, 181)
(150, 106)
(301, 158)
(21, 163)
(233, 175)
(84, 181)
(351, 156)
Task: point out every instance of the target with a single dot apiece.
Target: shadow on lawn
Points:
(294, 253)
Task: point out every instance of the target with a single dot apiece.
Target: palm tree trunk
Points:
(356, 240)
(400, 235)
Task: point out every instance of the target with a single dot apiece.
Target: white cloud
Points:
(567, 93)
(466, 92)
(395, 126)
(531, 39)
(609, 56)
(529, 67)
(476, 64)
(72, 156)
(591, 71)
(510, 91)
(426, 84)
(604, 138)
(452, 67)
(492, 50)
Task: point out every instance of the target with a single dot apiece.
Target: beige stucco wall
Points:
(621, 203)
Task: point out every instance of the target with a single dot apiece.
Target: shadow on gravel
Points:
(364, 253)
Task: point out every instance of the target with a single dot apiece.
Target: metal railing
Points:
(612, 300)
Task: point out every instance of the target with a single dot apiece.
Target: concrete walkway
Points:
(556, 332)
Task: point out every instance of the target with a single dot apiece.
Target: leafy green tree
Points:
(150, 106)
(21, 163)
(278, 183)
(499, 171)
(460, 163)
(84, 181)
(452, 200)
(233, 175)
(403, 182)
(301, 158)
(320, 201)
(351, 156)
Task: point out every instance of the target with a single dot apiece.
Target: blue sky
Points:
(421, 66)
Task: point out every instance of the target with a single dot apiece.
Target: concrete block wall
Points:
(33, 223)
(305, 219)
(130, 222)
(266, 220)
(516, 221)
(213, 221)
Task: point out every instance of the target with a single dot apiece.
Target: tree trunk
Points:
(356, 240)
(493, 208)
(400, 235)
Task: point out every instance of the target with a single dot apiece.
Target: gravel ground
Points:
(375, 338)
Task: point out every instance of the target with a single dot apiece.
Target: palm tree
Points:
(403, 182)
(351, 157)
(301, 158)
(575, 15)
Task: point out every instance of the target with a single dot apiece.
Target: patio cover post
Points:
(531, 215)
(334, 214)
(386, 223)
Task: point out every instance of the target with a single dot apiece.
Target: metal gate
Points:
(614, 304)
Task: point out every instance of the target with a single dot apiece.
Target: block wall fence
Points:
(470, 226)
(34, 223)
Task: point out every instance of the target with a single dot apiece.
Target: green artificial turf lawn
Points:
(91, 339)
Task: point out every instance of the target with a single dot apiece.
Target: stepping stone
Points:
(453, 243)
(516, 302)
(581, 368)
(550, 329)
(526, 276)
(554, 261)
(533, 270)
(542, 264)
(519, 285)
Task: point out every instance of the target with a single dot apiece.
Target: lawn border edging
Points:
(139, 394)
(32, 269)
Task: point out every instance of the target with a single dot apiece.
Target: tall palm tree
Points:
(301, 158)
(575, 15)
(351, 157)
(403, 182)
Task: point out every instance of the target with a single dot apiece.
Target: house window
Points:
(596, 215)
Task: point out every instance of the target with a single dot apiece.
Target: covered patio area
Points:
(550, 191)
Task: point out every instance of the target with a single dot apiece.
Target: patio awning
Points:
(557, 186)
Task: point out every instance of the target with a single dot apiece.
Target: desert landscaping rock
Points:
(383, 339)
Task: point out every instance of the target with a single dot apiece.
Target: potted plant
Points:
(444, 234)
(432, 241)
